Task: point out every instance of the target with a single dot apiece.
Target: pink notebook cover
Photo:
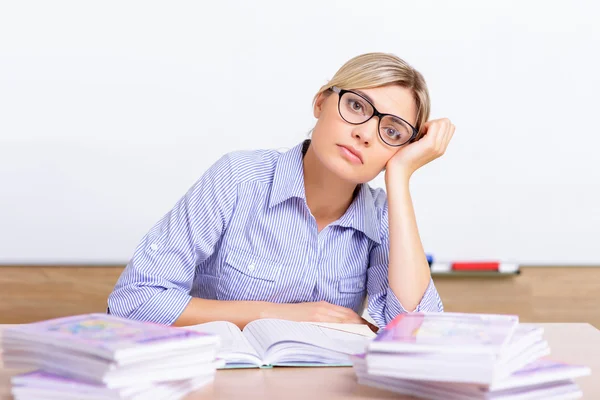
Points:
(103, 330)
(449, 329)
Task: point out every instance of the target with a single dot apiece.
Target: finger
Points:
(428, 130)
(443, 132)
(325, 314)
(429, 137)
(333, 313)
(354, 319)
(336, 307)
(352, 316)
(341, 317)
(439, 135)
(327, 318)
(425, 127)
(429, 124)
(449, 136)
(429, 141)
(344, 313)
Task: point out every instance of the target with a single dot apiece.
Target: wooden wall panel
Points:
(539, 294)
(30, 294)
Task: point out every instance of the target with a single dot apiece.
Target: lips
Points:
(353, 152)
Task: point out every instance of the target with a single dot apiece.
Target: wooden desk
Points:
(570, 342)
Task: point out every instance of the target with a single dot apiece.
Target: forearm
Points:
(199, 311)
(408, 270)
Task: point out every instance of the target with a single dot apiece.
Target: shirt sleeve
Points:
(156, 282)
(383, 305)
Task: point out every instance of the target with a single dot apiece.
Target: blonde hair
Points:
(378, 69)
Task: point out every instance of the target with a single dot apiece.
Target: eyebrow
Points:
(366, 96)
(395, 117)
(398, 120)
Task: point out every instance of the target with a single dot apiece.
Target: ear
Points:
(319, 103)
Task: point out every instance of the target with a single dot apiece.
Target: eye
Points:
(355, 105)
(392, 133)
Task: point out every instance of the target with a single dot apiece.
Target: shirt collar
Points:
(288, 182)
(288, 179)
(362, 214)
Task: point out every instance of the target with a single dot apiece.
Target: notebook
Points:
(42, 385)
(464, 333)
(265, 343)
(109, 337)
(525, 346)
(109, 350)
(541, 379)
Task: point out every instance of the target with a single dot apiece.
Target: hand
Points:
(437, 135)
(321, 311)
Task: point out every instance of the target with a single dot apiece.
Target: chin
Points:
(330, 158)
(346, 171)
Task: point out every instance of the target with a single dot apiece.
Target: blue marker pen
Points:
(429, 259)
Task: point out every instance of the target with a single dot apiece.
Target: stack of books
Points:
(99, 356)
(465, 356)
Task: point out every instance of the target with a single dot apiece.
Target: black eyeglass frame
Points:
(376, 113)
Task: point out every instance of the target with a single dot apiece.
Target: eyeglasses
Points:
(355, 109)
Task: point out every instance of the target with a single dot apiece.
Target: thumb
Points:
(424, 142)
(426, 125)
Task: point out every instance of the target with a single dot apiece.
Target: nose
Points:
(366, 133)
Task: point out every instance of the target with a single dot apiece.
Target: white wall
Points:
(109, 111)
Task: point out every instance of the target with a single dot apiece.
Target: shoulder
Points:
(250, 165)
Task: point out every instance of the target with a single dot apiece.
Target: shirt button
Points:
(153, 247)
(251, 267)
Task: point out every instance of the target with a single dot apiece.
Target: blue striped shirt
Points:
(243, 231)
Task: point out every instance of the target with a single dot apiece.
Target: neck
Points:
(328, 197)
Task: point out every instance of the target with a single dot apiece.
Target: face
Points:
(356, 153)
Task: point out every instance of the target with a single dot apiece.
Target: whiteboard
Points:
(109, 111)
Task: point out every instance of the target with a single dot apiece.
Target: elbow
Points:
(121, 303)
(151, 304)
(126, 301)
(432, 302)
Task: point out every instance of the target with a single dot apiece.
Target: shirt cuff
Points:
(429, 302)
(163, 308)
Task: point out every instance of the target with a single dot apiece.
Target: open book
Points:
(266, 343)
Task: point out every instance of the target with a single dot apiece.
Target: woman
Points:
(300, 235)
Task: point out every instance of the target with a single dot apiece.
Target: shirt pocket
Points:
(245, 276)
(352, 285)
(351, 292)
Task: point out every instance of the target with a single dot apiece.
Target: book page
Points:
(233, 343)
(358, 329)
(307, 342)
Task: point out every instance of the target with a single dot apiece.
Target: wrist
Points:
(397, 177)
(269, 310)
